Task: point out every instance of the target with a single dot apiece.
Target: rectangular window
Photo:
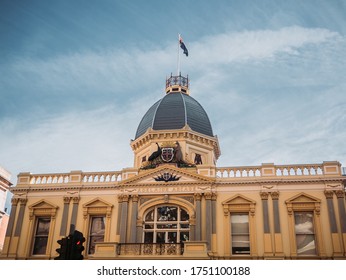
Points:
(96, 232)
(41, 236)
(305, 234)
(240, 234)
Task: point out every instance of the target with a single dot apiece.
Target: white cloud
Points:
(261, 44)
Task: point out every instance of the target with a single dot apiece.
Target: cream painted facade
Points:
(165, 209)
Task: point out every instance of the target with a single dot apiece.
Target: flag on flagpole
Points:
(182, 45)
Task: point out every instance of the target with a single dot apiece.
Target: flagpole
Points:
(178, 66)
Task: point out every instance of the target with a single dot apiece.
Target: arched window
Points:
(166, 224)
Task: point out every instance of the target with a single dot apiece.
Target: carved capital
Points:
(125, 198)
(213, 196)
(23, 201)
(274, 195)
(135, 198)
(264, 195)
(67, 199)
(329, 194)
(340, 194)
(14, 201)
(76, 199)
(208, 196)
(197, 196)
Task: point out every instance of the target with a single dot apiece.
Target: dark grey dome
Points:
(174, 111)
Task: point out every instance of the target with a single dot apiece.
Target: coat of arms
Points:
(167, 154)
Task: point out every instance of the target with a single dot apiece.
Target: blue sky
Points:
(76, 77)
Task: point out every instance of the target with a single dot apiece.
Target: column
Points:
(209, 219)
(74, 214)
(268, 250)
(198, 229)
(20, 218)
(340, 194)
(278, 244)
(123, 219)
(120, 204)
(18, 229)
(336, 242)
(63, 226)
(133, 231)
(213, 228)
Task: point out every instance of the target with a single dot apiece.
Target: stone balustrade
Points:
(238, 172)
(67, 178)
(270, 170)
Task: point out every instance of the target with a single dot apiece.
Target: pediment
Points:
(43, 204)
(238, 200)
(97, 203)
(165, 174)
(303, 198)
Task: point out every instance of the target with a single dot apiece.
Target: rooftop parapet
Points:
(177, 84)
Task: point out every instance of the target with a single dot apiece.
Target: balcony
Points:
(185, 250)
(152, 249)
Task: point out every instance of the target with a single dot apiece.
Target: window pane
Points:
(149, 237)
(98, 226)
(172, 237)
(184, 236)
(240, 224)
(41, 236)
(94, 239)
(304, 222)
(241, 241)
(40, 245)
(160, 237)
(96, 234)
(166, 213)
(43, 226)
(240, 234)
(306, 244)
(184, 216)
(150, 216)
(304, 228)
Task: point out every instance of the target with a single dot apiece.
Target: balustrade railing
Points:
(270, 170)
(150, 249)
(84, 177)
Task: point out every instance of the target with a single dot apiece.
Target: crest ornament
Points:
(167, 154)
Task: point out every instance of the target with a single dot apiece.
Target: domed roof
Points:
(174, 111)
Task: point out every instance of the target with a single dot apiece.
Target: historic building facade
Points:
(175, 203)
